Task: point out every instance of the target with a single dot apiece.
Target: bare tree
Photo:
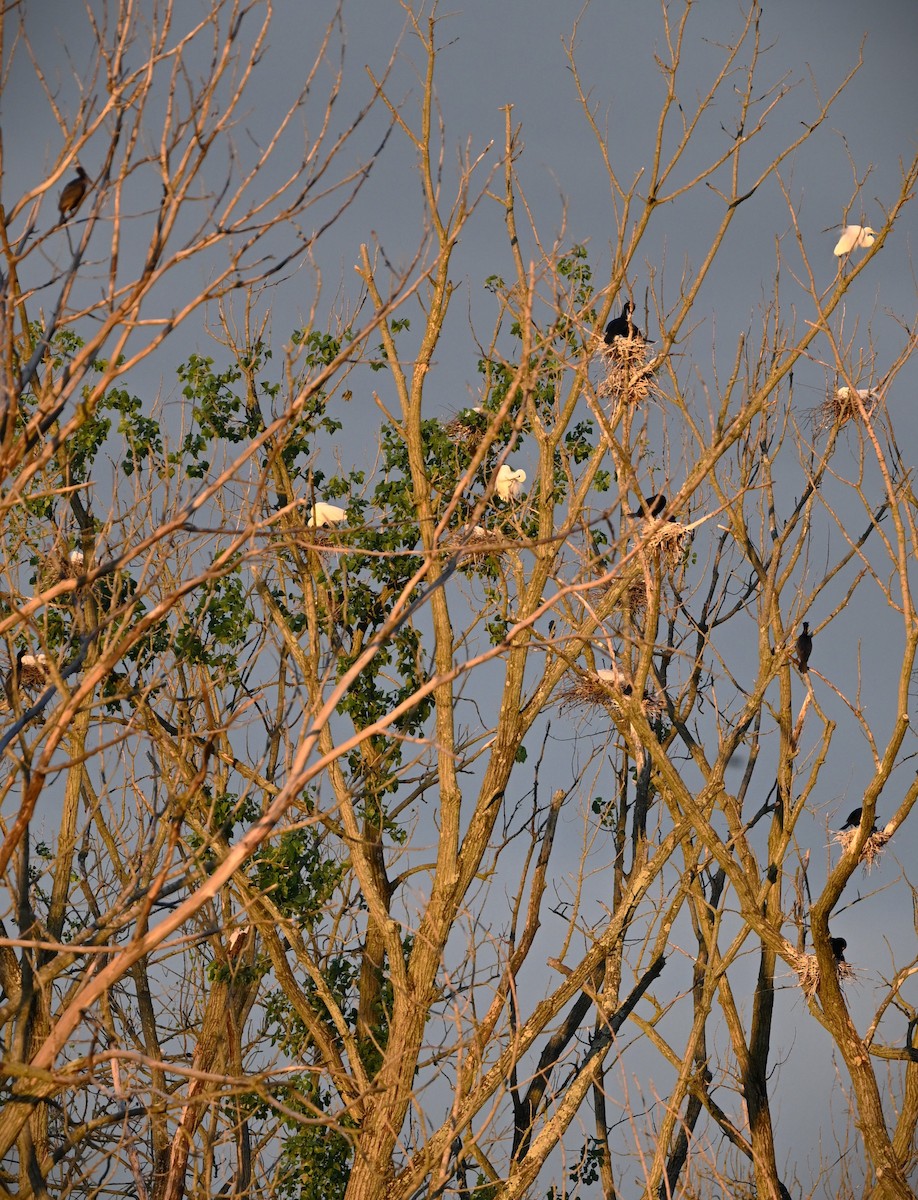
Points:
(316, 922)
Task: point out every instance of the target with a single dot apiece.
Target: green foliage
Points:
(297, 872)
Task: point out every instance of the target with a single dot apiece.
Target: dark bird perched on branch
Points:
(804, 647)
(624, 327)
(72, 196)
(650, 506)
(839, 945)
(854, 819)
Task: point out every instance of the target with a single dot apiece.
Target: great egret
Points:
(853, 237)
(844, 393)
(72, 196)
(76, 559)
(509, 482)
(804, 647)
(322, 514)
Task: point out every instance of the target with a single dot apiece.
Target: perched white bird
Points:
(509, 482)
(34, 660)
(852, 237)
(76, 559)
(325, 514)
(844, 393)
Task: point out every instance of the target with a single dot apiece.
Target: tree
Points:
(312, 925)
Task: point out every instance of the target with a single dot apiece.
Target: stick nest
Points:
(807, 968)
(473, 543)
(669, 539)
(842, 406)
(872, 850)
(595, 691)
(626, 374)
(467, 428)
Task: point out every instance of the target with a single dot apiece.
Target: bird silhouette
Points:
(853, 820)
(839, 945)
(72, 196)
(804, 648)
(650, 506)
(623, 327)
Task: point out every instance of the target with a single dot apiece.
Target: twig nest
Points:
(871, 851)
(669, 539)
(625, 372)
(57, 566)
(807, 968)
(473, 543)
(31, 670)
(608, 689)
(509, 483)
(467, 427)
(844, 405)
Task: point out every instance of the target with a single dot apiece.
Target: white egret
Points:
(509, 482)
(76, 559)
(854, 237)
(844, 393)
(325, 514)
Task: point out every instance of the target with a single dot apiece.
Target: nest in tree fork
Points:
(467, 428)
(626, 374)
(669, 539)
(844, 405)
(807, 968)
(473, 543)
(603, 691)
(872, 850)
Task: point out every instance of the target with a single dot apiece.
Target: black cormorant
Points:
(839, 946)
(623, 326)
(650, 506)
(804, 647)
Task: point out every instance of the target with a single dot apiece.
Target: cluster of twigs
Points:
(807, 968)
(843, 405)
(872, 850)
(599, 692)
(473, 543)
(467, 428)
(626, 373)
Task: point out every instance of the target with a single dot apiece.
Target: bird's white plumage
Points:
(509, 482)
(844, 392)
(76, 558)
(854, 237)
(322, 514)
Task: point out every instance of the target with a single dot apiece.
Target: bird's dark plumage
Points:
(650, 506)
(854, 819)
(839, 945)
(623, 327)
(72, 196)
(804, 647)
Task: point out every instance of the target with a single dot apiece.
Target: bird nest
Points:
(807, 968)
(872, 850)
(594, 691)
(669, 539)
(626, 373)
(473, 543)
(846, 404)
(58, 565)
(467, 428)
